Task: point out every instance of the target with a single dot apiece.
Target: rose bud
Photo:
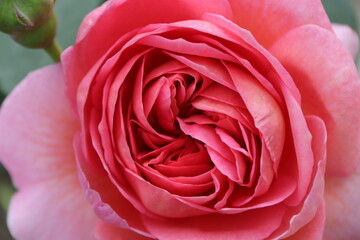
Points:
(31, 23)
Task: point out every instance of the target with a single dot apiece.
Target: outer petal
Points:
(327, 78)
(342, 197)
(36, 129)
(90, 19)
(348, 37)
(268, 20)
(54, 209)
(123, 16)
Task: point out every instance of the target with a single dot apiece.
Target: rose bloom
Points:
(207, 119)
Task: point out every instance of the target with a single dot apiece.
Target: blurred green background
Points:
(17, 61)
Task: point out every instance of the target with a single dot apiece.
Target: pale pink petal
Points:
(267, 20)
(54, 209)
(348, 37)
(36, 129)
(327, 78)
(105, 231)
(342, 197)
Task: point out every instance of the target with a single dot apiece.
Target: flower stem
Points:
(54, 51)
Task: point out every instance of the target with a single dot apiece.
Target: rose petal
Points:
(37, 150)
(219, 153)
(313, 201)
(37, 126)
(267, 114)
(90, 19)
(302, 153)
(257, 60)
(342, 207)
(174, 187)
(329, 87)
(132, 15)
(53, 209)
(184, 46)
(160, 201)
(258, 224)
(348, 37)
(268, 20)
(314, 229)
(108, 203)
(105, 231)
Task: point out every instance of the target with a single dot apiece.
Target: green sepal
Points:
(24, 15)
(40, 37)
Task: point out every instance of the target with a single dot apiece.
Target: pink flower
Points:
(208, 119)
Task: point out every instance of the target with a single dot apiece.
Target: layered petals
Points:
(214, 120)
(213, 129)
(132, 15)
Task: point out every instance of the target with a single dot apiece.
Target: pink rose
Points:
(207, 119)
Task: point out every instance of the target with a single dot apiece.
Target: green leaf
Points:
(16, 61)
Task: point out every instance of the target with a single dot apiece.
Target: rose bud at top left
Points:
(31, 23)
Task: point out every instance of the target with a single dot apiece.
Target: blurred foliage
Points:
(341, 11)
(16, 61)
(6, 190)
